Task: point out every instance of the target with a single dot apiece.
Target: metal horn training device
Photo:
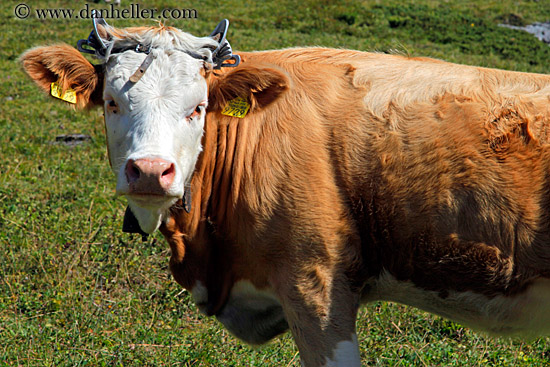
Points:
(94, 39)
(223, 52)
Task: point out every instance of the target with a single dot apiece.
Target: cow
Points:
(294, 185)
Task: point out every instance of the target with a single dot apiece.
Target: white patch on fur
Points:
(149, 219)
(150, 121)
(525, 314)
(251, 314)
(199, 293)
(246, 294)
(346, 354)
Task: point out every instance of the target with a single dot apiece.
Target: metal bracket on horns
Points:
(94, 39)
(223, 52)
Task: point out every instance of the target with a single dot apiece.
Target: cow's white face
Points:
(154, 128)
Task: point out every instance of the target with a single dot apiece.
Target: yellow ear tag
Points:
(68, 96)
(237, 107)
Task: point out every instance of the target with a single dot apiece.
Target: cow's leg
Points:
(321, 311)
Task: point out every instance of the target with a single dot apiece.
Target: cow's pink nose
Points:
(150, 176)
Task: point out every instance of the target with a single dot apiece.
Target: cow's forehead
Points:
(177, 56)
(179, 61)
(172, 76)
(173, 64)
(165, 38)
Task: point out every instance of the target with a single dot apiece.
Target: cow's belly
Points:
(524, 314)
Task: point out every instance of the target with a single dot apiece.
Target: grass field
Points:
(75, 290)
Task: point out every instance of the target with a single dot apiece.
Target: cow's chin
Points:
(253, 317)
(150, 210)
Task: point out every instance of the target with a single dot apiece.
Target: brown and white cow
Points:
(353, 177)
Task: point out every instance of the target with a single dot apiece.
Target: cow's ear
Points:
(66, 66)
(260, 85)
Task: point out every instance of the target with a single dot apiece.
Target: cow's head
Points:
(152, 83)
(155, 85)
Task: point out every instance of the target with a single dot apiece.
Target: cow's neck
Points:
(214, 186)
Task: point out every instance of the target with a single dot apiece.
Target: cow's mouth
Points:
(152, 200)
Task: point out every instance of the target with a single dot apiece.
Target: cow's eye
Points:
(198, 110)
(112, 107)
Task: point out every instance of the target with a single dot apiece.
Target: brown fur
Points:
(444, 186)
(134, 31)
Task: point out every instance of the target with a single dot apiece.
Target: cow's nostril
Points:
(133, 173)
(169, 171)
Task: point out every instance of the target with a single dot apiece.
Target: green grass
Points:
(75, 290)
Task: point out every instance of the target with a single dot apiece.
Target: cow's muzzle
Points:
(149, 176)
